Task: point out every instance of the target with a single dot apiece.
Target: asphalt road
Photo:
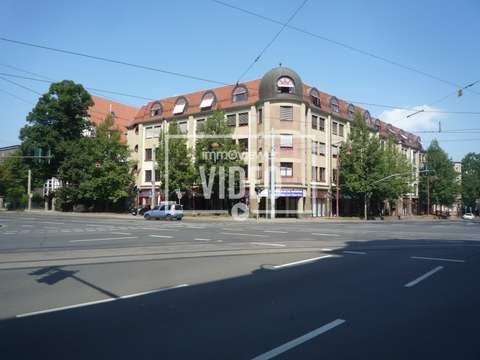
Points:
(82, 288)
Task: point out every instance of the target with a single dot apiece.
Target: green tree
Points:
(214, 153)
(441, 180)
(13, 181)
(96, 172)
(470, 179)
(395, 165)
(59, 116)
(362, 165)
(174, 148)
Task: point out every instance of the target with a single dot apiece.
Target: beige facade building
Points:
(302, 126)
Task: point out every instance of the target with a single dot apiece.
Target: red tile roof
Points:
(123, 113)
(224, 101)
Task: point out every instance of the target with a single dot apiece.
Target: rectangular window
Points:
(286, 141)
(148, 132)
(286, 113)
(241, 96)
(157, 175)
(207, 102)
(322, 174)
(286, 169)
(334, 128)
(183, 126)
(200, 125)
(148, 154)
(314, 122)
(232, 120)
(341, 129)
(156, 131)
(243, 119)
(321, 149)
(334, 175)
(314, 147)
(314, 173)
(334, 151)
(321, 124)
(243, 144)
(148, 175)
(260, 116)
(259, 143)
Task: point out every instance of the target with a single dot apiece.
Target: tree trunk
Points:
(365, 212)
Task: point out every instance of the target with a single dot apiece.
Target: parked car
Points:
(468, 216)
(139, 211)
(165, 211)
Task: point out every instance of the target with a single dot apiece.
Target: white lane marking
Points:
(322, 234)
(98, 301)
(242, 234)
(354, 252)
(438, 259)
(325, 249)
(200, 239)
(162, 236)
(298, 341)
(267, 244)
(275, 267)
(424, 276)
(105, 239)
(275, 231)
(118, 233)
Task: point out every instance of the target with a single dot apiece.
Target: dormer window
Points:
(156, 110)
(240, 93)
(180, 106)
(350, 111)
(285, 85)
(207, 101)
(334, 105)
(366, 117)
(315, 97)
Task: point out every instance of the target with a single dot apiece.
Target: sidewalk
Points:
(228, 218)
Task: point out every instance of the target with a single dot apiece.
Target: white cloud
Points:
(422, 121)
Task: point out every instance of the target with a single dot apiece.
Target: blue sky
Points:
(206, 39)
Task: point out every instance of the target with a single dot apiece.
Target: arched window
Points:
(136, 129)
(156, 109)
(351, 111)
(136, 148)
(208, 100)
(285, 85)
(180, 106)
(334, 105)
(240, 93)
(315, 97)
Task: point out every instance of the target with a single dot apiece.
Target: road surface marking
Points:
(424, 276)
(322, 234)
(325, 249)
(105, 239)
(162, 236)
(118, 233)
(438, 259)
(298, 341)
(267, 244)
(200, 239)
(68, 307)
(275, 232)
(275, 267)
(354, 252)
(242, 234)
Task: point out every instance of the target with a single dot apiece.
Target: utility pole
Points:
(29, 189)
(338, 184)
(152, 202)
(272, 175)
(428, 193)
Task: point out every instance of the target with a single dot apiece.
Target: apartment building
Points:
(302, 125)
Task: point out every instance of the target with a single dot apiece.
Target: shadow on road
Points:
(241, 317)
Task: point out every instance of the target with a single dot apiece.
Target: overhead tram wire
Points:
(110, 60)
(20, 85)
(16, 97)
(265, 48)
(342, 44)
